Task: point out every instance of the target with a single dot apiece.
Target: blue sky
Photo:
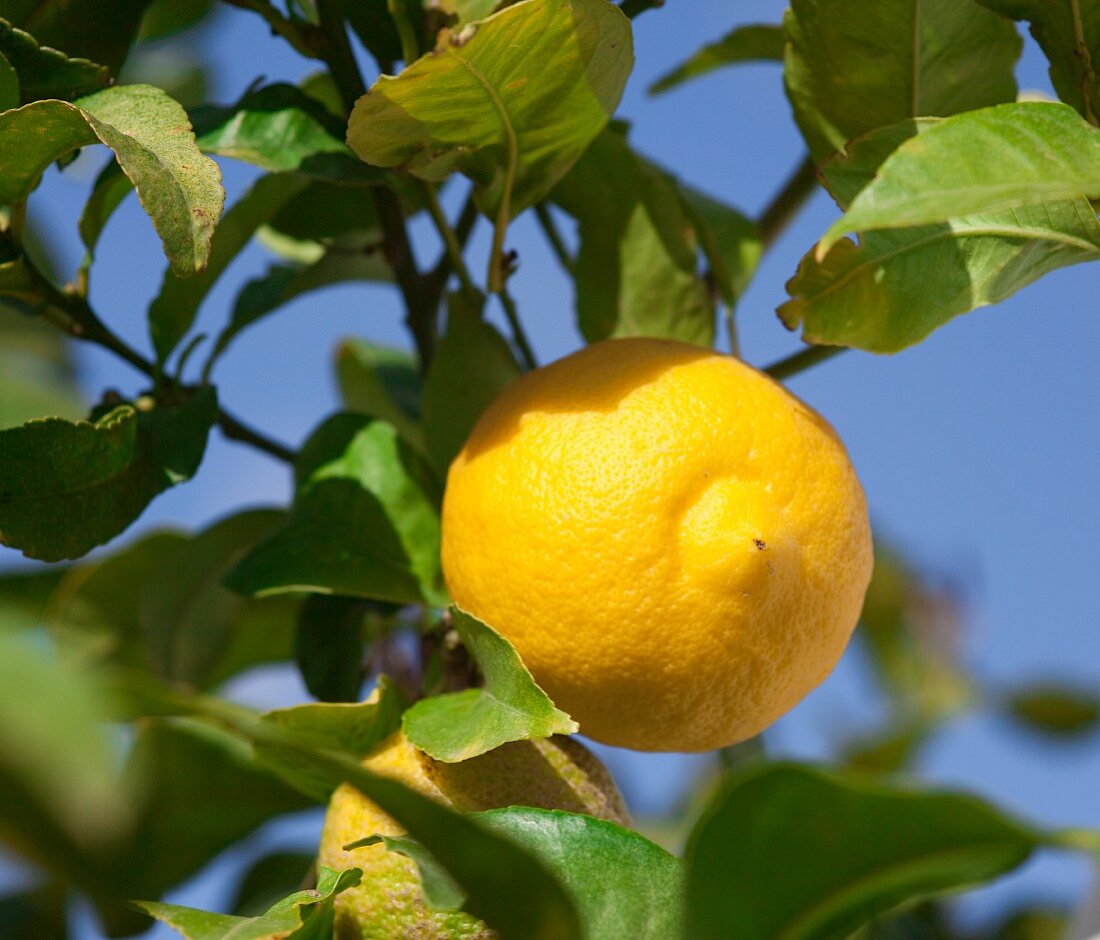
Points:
(978, 449)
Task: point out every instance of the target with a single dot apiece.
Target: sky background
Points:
(978, 449)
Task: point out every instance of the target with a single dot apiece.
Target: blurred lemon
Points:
(676, 545)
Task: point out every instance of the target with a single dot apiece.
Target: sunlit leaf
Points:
(847, 75)
(151, 138)
(509, 707)
(757, 43)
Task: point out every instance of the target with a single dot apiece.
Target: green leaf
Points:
(36, 374)
(174, 309)
(151, 138)
(624, 887)
(512, 104)
(998, 158)
(790, 853)
(510, 707)
(66, 487)
(47, 73)
(167, 17)
(468, 11)
(472, 365)
(158, 607)
(440, 890)
(289, 918)
(374, 25)
(637, 272)
(328, 646)
(756, 43)
(272, 877)
(365, 521)
(280, 128)
(1055, 710)
(55, 758)
(898, 285)
(9, 85)
(849, 75)
(325, 210)
(381, 382)
(24, 596)
(77, 27)
(40, 913)
(1069, 33)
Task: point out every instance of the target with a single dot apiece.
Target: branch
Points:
(778, 214)
(802, 360)
(302, 36)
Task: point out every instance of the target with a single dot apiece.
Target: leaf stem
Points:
(802, 360)
(450, 239)
(633, 7)
(781, 211)
(553, 236)
(518, 334)
(301, 36)
(410, 50)
(1088, 76)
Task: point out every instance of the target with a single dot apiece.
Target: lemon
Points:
(676, 545)
(553, 773)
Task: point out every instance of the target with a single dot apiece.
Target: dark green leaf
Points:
(35, 914)
(280, 128)
(174, 310)
(624, 887)
(791, 853)
(328, 647)
(900, 284)
(179, 188)
(381, 382)
(1009, 156)
(167, 17)
(66, 487)
(100, 30)
(847, 75)
(24, 596)
(365, 521)
(472, 365)
(1069, 32)
(1036, 923)
(9, 85)
(510, 706)
(272, 877)
(1055, 710)
(374, 25)
(741, 44)
(325, 210)
(293, 918)
(45, 72)
(158, 606)
(440, 890)
(513, 105)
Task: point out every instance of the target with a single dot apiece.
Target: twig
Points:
(405, 32)
(553, 236)
(450, 238)
(784, 207)
(802, 360)
(301, 36)
(518, 334)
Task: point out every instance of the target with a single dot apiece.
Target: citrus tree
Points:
(649, 542)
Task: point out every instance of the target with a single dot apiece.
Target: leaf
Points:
(328, 646)
(158, 607)
(166, 18)
(900, 284)
(1069, 33)
(729, 241)
(381, 382)
(512, 104)
(40, 913)
(374, 25)
(440, 890)
(849, 75)
(289, 918)
(9, 85)
(468, 11)
(998, 158)
(365, 521)
(174, 309)
(789, 852)
(1055, 710)
(755, 43)
(24, 596)
(346, 260)
(622, 884)
(637, 270)
(510, 707)
(269, 879)
(280, 128)
(151, 138)
(36, 374)
(326, 210)
(66, 487)
(77, 26)
(471, 366)
(47, 73)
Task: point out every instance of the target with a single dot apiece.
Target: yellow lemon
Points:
(676, 545)
(553, 773)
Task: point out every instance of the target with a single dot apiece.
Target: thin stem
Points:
(450, 238)
(301, 36)
(553, 236)
(337, 52)
(437, 277)
(633, 7)
(802, 360)
(788, 201)
(518, 334)
(410, 50)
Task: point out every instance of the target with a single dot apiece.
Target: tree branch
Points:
(303, 37)
(779, 213)
(802, 360)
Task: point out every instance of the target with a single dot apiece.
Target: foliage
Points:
(122, 771)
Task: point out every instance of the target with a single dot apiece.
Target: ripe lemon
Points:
(676, 545)
(554, 773)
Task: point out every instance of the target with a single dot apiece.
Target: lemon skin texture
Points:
(677, 547)
(554, 773)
